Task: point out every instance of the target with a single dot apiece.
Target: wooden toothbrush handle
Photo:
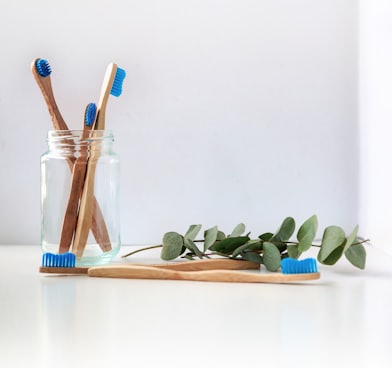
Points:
(99, 228)
(86, 209)
(147, 272)
(45, 85)
(209, 264)
(198, 265)
(97, 224)
(71, 212)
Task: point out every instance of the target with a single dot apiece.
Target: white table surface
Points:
(342, 320)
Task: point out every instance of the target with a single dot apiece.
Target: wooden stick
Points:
(148, 272)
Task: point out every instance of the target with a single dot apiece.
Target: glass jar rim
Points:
(75, 133)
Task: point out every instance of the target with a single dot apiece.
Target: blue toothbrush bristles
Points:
(43, 67)
(292, 266)
(118, 82)
(58, 260)
(90, 114)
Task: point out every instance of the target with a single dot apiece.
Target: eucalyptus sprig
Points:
(268, 248)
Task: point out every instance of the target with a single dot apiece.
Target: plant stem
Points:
(222, 254)
(141, 250)
(319, 245)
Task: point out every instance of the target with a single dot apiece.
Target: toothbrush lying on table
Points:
(66, 264)
(41, 71)
(112, 84)
(154, 273)
(297, 271)
(214, 270)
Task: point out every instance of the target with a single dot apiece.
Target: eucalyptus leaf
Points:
(281, 246)
(356, 255)
(269, 248)
(172, 246)
(307, 233)
(351, 239)
(271, 256)
(332, 257)
(285, 231)
(228, 245)
(238, 230)
(253, 257)
(266, 236)
(248, 246)
(293, 251)
(333, 238)
(192, 232)
(193, 247)
(210, 237)
(221, 235)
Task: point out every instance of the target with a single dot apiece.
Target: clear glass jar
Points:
(80, 196)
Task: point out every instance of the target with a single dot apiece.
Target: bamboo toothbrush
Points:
(147, 272)
(41, 71)
(112, 84)
(216, 270)
(307, 272)
(77, 180)
(65, 264)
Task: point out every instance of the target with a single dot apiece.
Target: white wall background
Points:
(376, 119)
(232, 111)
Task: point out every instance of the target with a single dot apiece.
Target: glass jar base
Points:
(92, 255)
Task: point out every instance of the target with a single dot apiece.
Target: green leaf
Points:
(293, 251)
(249, 246)
(333, 257)
(238, 230)
(221, 235)
(351, 239)
(266, 236)
(228, 245)
(333, 238)
(280, 245)
(271, 256)
(356, 255)
(172, 246)
(193, 247)
(285, 231)
(253, 257)
(210, 237)
(307, 233)
(192, 232)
